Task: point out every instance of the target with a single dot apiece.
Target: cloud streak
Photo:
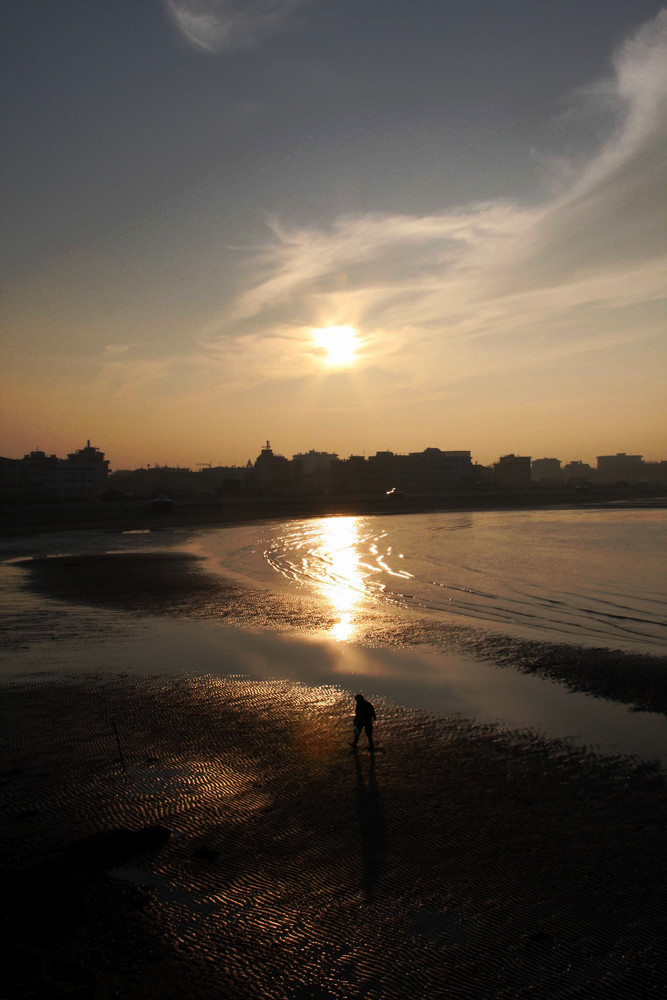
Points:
(229, 25)
(497, 271)
(450, 298)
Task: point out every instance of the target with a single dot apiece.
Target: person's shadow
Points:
(372, 827)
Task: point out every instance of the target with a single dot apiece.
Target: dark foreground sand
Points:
(461, 862)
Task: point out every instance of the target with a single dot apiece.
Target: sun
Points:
(339, 344)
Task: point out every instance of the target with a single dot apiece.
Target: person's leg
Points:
(369, 733)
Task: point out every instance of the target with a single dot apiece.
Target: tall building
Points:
(43, 476)
(546, 470)
(578, 473)
(314, 461)
(436, 471)
(620, 467)
(313, 472)
(273, 473)
(512, 470)
(84, 474)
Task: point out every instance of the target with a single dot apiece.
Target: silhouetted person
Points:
(363, 719)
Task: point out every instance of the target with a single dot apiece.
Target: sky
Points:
(339, 225)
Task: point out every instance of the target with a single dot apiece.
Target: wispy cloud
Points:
(497, 270)
(448, 296)
(227, 25)
(126, 371)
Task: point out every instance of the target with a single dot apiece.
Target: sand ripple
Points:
(463, 861)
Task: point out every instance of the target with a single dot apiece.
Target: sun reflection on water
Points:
(342, 573)
(345, 563)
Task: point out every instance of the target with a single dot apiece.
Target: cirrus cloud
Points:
(465, 293)
(563, 276)
(228, 25)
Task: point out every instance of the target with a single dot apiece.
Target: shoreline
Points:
(175, 585)
(187, 513)
(486, 863)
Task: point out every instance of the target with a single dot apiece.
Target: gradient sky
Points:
(190, 188)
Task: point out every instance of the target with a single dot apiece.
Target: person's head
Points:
(359, 697)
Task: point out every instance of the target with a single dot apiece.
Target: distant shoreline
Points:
(135, 515)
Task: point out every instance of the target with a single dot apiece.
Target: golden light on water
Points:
(339, 344)
(343, 583)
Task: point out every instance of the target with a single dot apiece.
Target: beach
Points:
(462, 859)
(458, 861)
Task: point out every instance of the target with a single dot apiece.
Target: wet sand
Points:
(175, 584)
(463, 860)
(460, 861)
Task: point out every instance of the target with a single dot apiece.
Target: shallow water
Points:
(590, 577)
(45, 636)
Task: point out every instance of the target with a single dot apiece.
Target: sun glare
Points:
(339, 344)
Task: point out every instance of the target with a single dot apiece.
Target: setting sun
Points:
(339, 344)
